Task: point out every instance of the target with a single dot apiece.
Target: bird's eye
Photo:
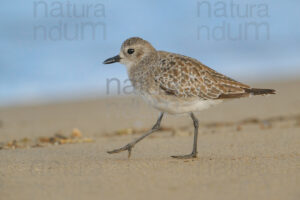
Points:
(130, 51)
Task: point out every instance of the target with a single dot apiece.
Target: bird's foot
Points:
(189, 156)
(127, 147)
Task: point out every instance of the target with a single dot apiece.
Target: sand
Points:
(248, 149)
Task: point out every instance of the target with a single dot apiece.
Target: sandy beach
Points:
(248, 149)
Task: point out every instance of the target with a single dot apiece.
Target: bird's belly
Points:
(175, 105)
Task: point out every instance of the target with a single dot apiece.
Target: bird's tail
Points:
(258, 91)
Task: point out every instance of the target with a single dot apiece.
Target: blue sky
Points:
(39, 69)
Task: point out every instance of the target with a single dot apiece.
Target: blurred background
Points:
(53, 50)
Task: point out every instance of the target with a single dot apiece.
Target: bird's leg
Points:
(194, 152)
(130, 145)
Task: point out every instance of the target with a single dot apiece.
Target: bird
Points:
(175, 84)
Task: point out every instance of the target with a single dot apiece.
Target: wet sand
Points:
(248, 149)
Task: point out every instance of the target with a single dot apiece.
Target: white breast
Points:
(175, 105)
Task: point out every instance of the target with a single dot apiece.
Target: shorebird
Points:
(175, 84)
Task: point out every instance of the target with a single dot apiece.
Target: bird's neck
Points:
(142, 64)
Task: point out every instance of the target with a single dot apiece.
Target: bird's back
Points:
(186, 77)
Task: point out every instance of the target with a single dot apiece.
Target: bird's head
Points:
(133, 50)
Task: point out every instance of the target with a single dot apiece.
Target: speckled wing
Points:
(186, 77)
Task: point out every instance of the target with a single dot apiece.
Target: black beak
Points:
(112, 60)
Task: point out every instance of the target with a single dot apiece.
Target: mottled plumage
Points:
(175, 83)
(186, 77)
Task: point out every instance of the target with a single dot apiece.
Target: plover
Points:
(175, 84)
